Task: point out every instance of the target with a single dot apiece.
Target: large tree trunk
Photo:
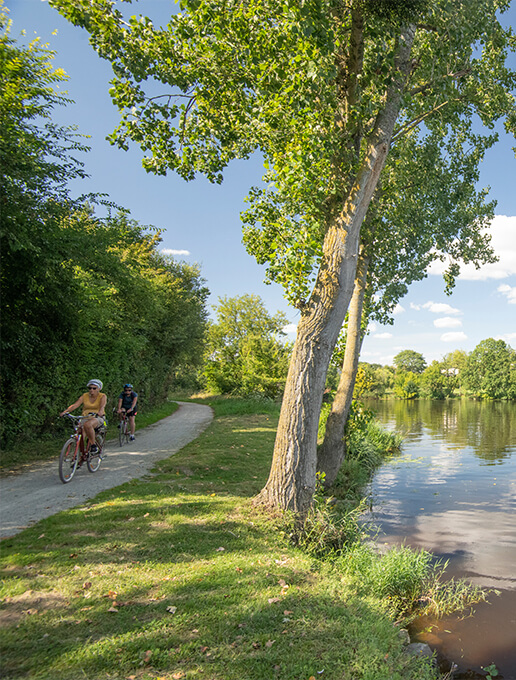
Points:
(291, 482)
(333, 449)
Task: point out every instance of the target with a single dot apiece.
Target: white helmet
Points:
(97, 383)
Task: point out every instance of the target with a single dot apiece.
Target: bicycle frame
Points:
(123, 424)
(68, 461)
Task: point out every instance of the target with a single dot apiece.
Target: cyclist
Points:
(127, 402)
(94, 405)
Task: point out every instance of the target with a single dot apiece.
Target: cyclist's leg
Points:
(89, 428)
(94, 459)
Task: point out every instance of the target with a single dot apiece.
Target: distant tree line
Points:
(488, 372)
(82, 296)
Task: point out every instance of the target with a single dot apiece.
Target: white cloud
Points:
(441, 308)
(290, 328)
(447, 322)
(454, 336)
(507, 337)
(372, 327)
(416, 307)
(383, 335)
(171, 251)
(398, 309)
(503, 242)
(509, 292)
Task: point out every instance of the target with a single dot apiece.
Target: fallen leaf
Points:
(171, 610)
(113, 610)
(273, 600)
(112, 594)
(220, 549)
(238, 569)
(42, 536)
(269, 643)
(255, 645)
(287, 612)
(147, 656)
(86, 585)
(147, 514)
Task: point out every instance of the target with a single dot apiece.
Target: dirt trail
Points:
(27, 497)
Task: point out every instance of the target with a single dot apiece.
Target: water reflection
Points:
(453, 491)
(488, 427)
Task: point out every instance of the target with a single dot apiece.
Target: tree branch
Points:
(417, 121)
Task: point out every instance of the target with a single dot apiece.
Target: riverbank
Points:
(180, 576)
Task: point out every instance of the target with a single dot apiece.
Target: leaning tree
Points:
(320, 88)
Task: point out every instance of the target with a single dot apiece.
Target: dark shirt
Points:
(127, 400)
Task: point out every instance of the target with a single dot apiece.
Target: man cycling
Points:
(127, 402)
(93, 405)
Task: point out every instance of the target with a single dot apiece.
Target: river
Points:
(452, 491)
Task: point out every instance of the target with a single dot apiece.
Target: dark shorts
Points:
(131, 413)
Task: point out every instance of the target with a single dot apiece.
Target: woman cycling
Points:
(94, 405)
(127, 402)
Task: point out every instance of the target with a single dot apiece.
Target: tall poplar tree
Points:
(321, 88)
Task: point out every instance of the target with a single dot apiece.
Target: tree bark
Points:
(332, 451)
(291, 481)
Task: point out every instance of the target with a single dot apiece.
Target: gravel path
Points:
(27, 497)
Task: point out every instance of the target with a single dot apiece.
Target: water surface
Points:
(452, 491)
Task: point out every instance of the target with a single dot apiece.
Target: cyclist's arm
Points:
(120, 405)
(103, 401)
(73, 406)
(134, 403)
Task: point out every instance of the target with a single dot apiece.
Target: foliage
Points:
(406, 385)
(490, 371)
(372, 380)
(82, 296)
(412, 582)
(244, 351)
(437, 382)
(409, 360)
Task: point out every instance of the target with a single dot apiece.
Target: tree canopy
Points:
(245, 351)
(82, 296)
(409, 360)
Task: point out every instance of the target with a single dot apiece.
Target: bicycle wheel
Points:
(126, 431)
(121, 425)
(94, 460)
(68, 460)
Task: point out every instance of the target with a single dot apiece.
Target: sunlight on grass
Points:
(179, 576)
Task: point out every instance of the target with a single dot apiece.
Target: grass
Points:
(180, 576)
(26, 453)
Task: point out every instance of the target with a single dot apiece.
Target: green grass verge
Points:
(180, 576)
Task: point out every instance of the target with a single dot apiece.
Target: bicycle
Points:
(123, 428)
(76, 451)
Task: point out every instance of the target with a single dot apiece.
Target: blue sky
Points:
(201, 222)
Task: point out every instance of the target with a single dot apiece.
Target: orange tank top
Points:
(89, 406)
